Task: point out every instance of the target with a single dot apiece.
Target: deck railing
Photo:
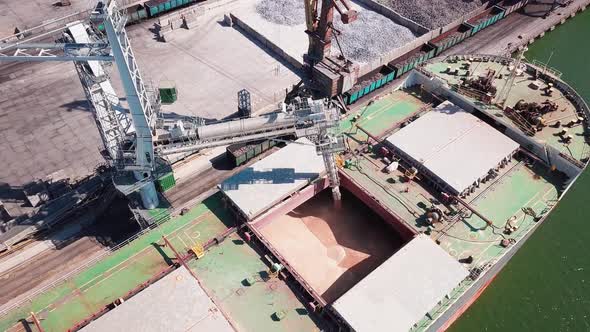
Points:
(472, 279)
(156, 222)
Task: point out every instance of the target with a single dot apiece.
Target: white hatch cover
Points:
(403, 289)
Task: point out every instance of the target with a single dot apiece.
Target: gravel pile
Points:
(432, 14)
(285, 12)
(363, 40)
(370, 36)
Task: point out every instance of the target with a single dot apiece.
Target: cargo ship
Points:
(449, 174)
(444, 176)
(445, 166)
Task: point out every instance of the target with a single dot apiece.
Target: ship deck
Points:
(522, 184)
(522, 89)
(220, 272)
(392, 108)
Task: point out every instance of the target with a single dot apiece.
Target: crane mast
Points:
(140, 107)
(505, 92)
(320, 26)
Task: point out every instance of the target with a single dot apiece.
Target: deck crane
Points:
(130, 138)
(505, 92)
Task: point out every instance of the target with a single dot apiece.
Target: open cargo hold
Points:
(345, 244)
(243, 152)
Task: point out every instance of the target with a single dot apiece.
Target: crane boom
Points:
(505, 92)
(317, 120)
(56, 52)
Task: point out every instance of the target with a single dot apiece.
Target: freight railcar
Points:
(153, 8)
(405, 63)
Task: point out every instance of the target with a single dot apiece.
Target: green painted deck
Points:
(382, 115)
(123, 270)
(517, 189)
(518, 186)
(578, 148)
(223, 272)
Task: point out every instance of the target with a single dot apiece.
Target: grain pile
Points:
(363, 40)
(432, 14)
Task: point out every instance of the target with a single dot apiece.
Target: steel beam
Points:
(198, 145)
(56, 52)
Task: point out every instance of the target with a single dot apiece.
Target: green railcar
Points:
(157, 7)
(353, 97)
(136, 14)
(346, 98)
(494, 14)
(243, 152)
(373, 86)
(361, 93)
(391, 76)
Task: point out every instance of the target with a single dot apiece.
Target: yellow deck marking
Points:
(190, 225)
(198, 250)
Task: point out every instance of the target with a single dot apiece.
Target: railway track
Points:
(16, 248)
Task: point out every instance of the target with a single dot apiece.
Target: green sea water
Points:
(546, 286)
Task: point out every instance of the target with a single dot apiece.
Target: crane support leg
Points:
(140, 107)
(148, 193)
